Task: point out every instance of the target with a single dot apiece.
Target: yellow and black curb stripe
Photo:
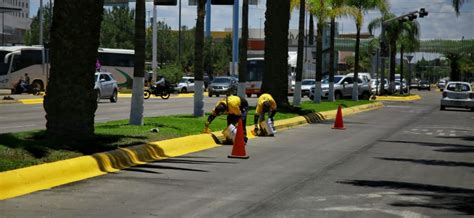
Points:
(45, 176)
(396, 98)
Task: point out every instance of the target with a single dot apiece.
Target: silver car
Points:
(306, 86)
(457, 94)
(106, 87)
(224, 85)
(343, 88)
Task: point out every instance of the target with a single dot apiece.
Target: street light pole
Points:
(235, 38)
(179, 33)
(154, 62)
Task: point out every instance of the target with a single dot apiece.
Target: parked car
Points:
(186, 84)
(375, 83)
(306, 86)
(424, 85)
(365, 77)
(343, 88)
(458, 94)
(224, 85)
(403, 85)
(106, 87)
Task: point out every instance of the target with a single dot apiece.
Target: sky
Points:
(441, 23)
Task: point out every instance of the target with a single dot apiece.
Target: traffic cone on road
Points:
(238, 150)
(339, 123)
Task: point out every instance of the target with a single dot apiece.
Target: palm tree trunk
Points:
(198, 61)
(311, 30)
(243, 49)
(393, 56)
(70, 102)
(319, 62)
(401, 70)
(275, 75)
(355, 88)
(299, 59)
(331, 59)
(136, 111)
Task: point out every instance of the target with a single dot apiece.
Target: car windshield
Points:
(308, 82)
(458, 87)
(336, 79)
(183, 80)
(221, 80)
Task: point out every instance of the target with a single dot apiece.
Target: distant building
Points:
(15, 23)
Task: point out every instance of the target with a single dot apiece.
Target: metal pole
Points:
(3, 28)
(154, 62)
(179, 33)
(41, 22)
(208, 19)
(235, 38)
(377, 60)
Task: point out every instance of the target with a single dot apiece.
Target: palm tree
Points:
(362, 7)
(321, 9)
(454, 63)
(299, 59)
(243, 48)
(338, 9)
(136, 110)
(275, 75)
(198, 61)
(409, 42)
(393, 31)
(457, 5)
(74, 43)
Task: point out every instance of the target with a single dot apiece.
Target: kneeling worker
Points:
(265, 104)
(235, 107)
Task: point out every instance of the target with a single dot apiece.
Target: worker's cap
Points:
(221, 108)
(266, 106)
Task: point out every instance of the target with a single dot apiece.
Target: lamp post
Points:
(409, 58)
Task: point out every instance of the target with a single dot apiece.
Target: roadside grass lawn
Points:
(24, 149)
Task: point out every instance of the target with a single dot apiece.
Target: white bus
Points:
(15, 61)
(255, 68)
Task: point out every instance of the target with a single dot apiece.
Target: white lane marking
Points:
(402, 213)
(14, 127)
(452, 131)
(452, 134)
(441, 134)
(414, 129)
(429, 133)
(439, 130)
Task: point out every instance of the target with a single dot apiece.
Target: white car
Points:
(343, 88)
(458, 94)
(306, 86)
(106, 86)
(186, 84)
(374, 84)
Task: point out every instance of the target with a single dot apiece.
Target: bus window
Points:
(120, 60)
(255, 70)
(26, 58)
(4, 67)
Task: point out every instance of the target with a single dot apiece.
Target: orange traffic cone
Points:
(238, 150)
(339, 123)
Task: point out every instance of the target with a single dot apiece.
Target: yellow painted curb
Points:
(31, 101)
(45, 176)
(398, 98)
(40, 177)
(181, 95)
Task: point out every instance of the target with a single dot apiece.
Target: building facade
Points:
(14, 24)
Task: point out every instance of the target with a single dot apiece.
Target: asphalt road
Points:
(405, 160)
(21, 117)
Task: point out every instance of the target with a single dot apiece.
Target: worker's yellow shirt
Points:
(232, 103)
(263, 98)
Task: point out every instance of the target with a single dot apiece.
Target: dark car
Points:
(224, 85)
(424, 85)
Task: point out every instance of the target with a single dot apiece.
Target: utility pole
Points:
(154, 62)
(235, 38)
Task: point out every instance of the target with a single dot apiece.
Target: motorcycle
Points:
(28, 89)
(163, 91)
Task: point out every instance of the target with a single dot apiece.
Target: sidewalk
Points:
(30, 179)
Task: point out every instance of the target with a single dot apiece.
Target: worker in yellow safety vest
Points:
(235, 107)
(265, 104)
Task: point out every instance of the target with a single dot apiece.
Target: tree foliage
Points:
(32, 35)
(118, 28)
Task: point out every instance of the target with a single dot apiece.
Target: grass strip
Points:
(29, 148)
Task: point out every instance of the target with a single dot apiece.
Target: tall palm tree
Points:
(457, 5)
(275, 75)
(321, 9)
(243, 48)
(393, 31)
(338, 9)
(299, 58)
(199, 61)
(74, 43)
(136, 110)
(409, 41)
(362, 7)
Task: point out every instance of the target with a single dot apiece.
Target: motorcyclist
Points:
(235, 107)
(265, 104)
